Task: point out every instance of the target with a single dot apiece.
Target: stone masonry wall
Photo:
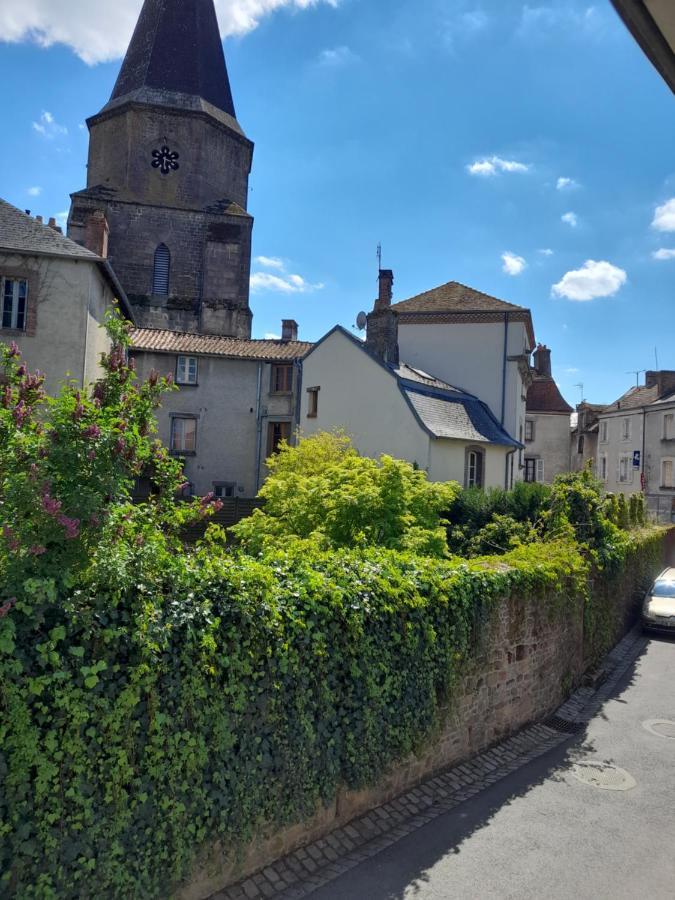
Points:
(530, 661)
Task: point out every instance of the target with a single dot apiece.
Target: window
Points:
(224, 489)
(530, 469)
(625, 429)
(474, 468)
(580, 444)
(160, 275)
(282, 379)
(14, 297)
(625, 469)
(603, 432)
(276, 433)
(669, 427)
(602, 467)
(529, 431)
(667, 473)
(186, 370)
(183, 434)
(313, 402)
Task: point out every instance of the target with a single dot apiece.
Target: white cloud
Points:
(570, 370)
(62, 220)
(566, 184)
(570, 219)
(546, 251)
(663, 254)
(100, 32)
(48, 127)
(269, 336)
(494, 165)
(664, 216)
(270, 262)
(34, 191)
(337, 56)
(593, 279)
(552, 20)
(513, 265)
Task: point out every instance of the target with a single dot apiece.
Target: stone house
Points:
(468, 339)
(636, 443)
(584, 436)
(547, 424)
(388, 406)
(55, 295)
(236, 401)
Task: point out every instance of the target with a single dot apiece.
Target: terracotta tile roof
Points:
(24, 234)
(543, 396)
(454, 297)
(159, 341)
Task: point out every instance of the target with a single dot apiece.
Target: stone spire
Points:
(176, 50)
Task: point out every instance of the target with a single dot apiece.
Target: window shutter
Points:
(160, 278)
(540, 470)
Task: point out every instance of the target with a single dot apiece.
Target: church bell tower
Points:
(168, 168)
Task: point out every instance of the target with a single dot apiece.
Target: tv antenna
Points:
(581, 388)
(637, 373)
(379, 257)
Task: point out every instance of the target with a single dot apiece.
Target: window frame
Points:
(313, 402)
(626, 428)
(669, 432)
(603, 467)
(670, 461)
(17, 281)
(183, 417)
(226, 485)
(581, 444)
(529, 431)
(530, 469)
(188, 359)
(477, 479)
(628, 460)
(272, 442)
(287, 387)
(604, 431)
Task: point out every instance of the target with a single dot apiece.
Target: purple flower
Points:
(11, 539)
(21, 413)
(14, 350)
(71, 526)
(7, 607)
(91, 432)
(51, 506)
(37, 550)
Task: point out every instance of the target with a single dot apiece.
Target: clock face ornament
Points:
(165, 160)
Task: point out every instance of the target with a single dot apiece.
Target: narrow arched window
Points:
(474, 468)
(160, 276)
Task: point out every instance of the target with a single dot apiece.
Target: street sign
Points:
(636, 459)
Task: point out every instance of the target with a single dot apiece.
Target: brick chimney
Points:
(96, 233)
(382, 328)
(542, 360)
(289, 330)
(663, 380)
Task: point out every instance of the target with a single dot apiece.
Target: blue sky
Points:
(441, 128)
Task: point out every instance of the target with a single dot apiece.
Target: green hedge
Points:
(139, 725)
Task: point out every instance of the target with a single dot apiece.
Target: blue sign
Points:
(636, 459)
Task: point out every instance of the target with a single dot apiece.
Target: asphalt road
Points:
(541, 833)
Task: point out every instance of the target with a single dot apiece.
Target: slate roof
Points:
(454, 297)
(156, 340)
(452, 414)
(176, 48)
(24, 234)
(544, 396)
(634, 399)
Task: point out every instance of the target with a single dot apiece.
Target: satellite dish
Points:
(361, 321)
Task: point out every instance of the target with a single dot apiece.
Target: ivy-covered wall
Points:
(138, 731)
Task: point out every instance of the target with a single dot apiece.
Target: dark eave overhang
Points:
(649, 30)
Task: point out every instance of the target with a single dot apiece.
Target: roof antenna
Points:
(379, 257)
(637, 373)
(581, 388)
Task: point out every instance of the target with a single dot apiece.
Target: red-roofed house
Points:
(547, 424)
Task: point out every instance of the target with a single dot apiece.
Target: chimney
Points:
(289, 330)
(664, 381)
(386, 289)
(542, 360)
(96, 234)
(39, 220)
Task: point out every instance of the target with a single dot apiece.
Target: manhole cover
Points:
(604, 776)
(664, 728)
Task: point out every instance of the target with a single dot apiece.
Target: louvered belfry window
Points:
(160, 278)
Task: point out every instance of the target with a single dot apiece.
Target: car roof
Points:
(667, 574)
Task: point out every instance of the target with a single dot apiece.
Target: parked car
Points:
(658, 610)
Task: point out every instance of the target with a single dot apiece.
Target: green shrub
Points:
(323, 490)
(623, 513)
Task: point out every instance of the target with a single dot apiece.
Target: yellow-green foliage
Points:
(325, 491)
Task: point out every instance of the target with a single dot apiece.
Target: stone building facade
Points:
(168, 168)
(547, 424)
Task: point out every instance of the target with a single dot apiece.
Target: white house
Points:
(394, 408)
(547, 424)
(636, 443)
(54, 295)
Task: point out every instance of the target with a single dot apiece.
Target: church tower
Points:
(168, 171)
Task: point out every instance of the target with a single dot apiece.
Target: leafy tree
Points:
(324, 491)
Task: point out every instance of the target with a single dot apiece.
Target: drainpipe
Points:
(506, 348)
(258, 419)
(298, 397)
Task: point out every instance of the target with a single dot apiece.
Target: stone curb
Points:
(301, 873)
